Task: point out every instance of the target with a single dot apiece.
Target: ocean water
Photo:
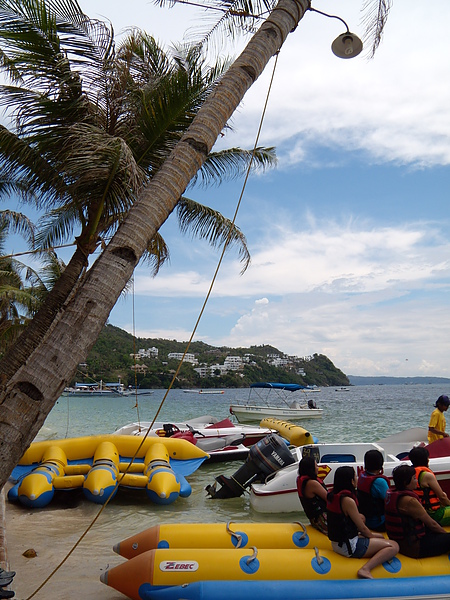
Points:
(361, 413)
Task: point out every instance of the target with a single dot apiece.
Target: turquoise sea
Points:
(361, 413)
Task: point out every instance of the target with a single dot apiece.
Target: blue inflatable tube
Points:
(431, 587)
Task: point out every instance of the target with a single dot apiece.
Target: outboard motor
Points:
(265, 457)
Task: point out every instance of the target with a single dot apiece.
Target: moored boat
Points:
(222, 439)
(278, 494)
(101, 389)
(267, 400)
(204, 391)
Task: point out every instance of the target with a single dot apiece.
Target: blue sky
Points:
(349, 235)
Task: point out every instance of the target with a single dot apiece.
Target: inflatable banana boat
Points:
(100, 464)
(294, 434)
(243, 560)
(222, 535)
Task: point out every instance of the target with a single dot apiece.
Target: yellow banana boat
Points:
(162, 572)
(223, 535)
(100, 464)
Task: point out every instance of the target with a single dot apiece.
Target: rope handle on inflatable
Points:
(303, 528)
(238, 536)
(253, 556)
(318, 557)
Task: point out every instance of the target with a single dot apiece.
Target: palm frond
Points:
(209, 224)
(232, 163)
(223, 22)
(15, 222)
(157, 254)
(375, 14)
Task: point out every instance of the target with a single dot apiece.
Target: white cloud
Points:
(395, 106)
(329, 257)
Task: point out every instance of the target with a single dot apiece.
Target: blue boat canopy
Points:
(289, 387)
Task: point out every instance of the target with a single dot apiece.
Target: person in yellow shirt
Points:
(436, 426)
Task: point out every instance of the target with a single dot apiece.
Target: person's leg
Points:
(379, 551)
(444, 516)
(434, 544)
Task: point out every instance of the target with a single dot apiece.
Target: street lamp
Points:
(348, 44)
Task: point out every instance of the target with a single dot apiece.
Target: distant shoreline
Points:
(360, 380)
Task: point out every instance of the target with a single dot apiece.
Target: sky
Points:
(348, 235)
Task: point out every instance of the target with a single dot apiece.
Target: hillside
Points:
(111, 358)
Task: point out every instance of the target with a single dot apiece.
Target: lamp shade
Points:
(347, 45)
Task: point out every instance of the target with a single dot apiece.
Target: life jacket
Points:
(368, 505)
(340, 527)
(314, 506)
(427, 496)
(398, 525)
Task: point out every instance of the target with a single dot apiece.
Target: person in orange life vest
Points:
(312, 493)
(371, 490)
(431, 495)
(436, 426)
(408, 523)
(347, 530)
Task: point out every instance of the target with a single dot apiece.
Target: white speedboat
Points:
(278, 494)
(275, 400)
(222, 439)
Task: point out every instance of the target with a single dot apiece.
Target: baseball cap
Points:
(443, 400)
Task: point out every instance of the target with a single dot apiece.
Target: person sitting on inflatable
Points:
(312, 493)
(371, 490)
(347, 530)
(431, 495)
(408, 523)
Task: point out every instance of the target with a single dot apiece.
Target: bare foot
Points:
(364, 574)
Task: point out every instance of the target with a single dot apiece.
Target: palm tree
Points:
(37, 385)
(22, 288)
(94, 123)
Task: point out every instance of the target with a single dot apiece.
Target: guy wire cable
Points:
(94, 520)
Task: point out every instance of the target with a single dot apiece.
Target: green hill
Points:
(112, 358)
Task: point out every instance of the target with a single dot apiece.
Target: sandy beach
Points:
(52, 534)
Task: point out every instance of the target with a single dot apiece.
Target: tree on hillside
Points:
(94, 121)
(28, 396)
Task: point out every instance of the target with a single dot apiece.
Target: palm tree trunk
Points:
(29, 395)
(40, 325)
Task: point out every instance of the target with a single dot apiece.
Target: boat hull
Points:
(420, 588)
(279, 493)
(254, 414)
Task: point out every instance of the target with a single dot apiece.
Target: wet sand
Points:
(52, 534)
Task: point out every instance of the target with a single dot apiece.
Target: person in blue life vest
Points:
(436, 426)
(347, 530)
(431, 495)
(312, 493)
(371, 490)
(408, 523)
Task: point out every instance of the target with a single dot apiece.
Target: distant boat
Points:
(342, 389)
(95, 390)
(203, 391)
(267, 400)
